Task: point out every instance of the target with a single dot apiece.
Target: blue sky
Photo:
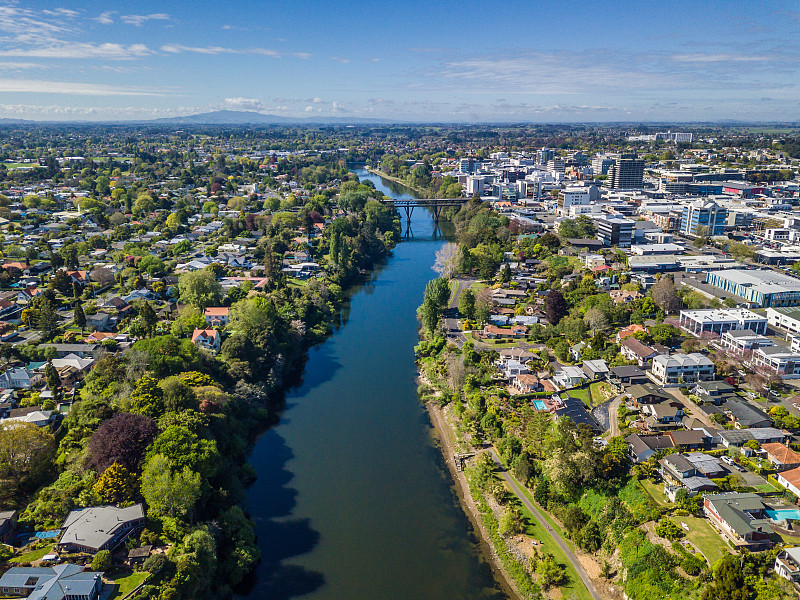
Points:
(463, 61)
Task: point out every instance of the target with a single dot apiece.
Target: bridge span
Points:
(435, 204)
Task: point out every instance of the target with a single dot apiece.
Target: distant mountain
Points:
(6, 121)
(242, 117)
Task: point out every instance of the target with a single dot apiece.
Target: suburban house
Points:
(736, 438)
(713, 391)
(629, 331)
(513, 368)
(569, 377)
(782, 457)
(642, 447)
(627, 375)
(647, 393)
(790, 480)
(525, 383)
(492, 332)
(209, 339)
(678, 472)
(741, 519)
(633, 349)
(575, 410)
(682, 368)
(16, 379)
(217, 316)
(745, 415)
(787, 564)
(595, 369)
(61, 582)
(705, 464)
(692, 439)
(663, 415)
(576, 351)
(99, 527)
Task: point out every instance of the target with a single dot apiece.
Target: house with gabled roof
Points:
(208, 339)
(741, 518)
(61, 582)
(781, 456)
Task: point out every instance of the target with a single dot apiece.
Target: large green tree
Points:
(200, 289)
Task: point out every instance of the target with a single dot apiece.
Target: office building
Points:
(682, 368)
(601, 163)
(721, 320)
(626, 174)
(703, 218)
(545, 155)
(572, 197)
(615, 231)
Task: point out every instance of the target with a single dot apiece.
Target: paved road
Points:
(512, 483)
(613, 415)
(450, 316)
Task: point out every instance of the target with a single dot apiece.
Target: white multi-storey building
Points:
(678, 369)
(721, 320)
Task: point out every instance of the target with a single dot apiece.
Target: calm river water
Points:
(352, 499)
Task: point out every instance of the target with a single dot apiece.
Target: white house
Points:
(569, 377)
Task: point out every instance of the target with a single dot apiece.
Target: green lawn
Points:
(575, 588)
(478, 286)
(656, 492)
(32, 555)
(582, 393)
(702, 535)
(124, 583)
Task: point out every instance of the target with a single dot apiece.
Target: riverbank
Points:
(379, 173)
(444, 436)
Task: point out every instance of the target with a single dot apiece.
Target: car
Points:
(728, 460)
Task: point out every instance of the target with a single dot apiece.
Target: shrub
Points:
(101, 561)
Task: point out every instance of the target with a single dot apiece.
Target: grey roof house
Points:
(99, 527)
(62, 582)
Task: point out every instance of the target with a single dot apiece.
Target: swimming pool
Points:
(539, 405)
(783, 513)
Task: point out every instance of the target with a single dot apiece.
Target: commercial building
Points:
(761, 288)
(721, 320)
(626, 174)
(681, 368)
(782, 360)
(744, 340)
(601, 164)
(703, 217)
(615, 231)
(785, 317)
(572, 196)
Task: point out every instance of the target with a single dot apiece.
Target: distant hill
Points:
(242, 117)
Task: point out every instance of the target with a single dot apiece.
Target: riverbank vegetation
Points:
(170, 425)
(589, 490)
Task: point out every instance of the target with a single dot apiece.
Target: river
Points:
(353, 500)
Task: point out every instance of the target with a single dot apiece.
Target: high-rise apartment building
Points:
(626, 174)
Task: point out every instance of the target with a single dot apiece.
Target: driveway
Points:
(691, 408)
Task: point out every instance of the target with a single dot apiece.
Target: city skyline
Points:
(458, 62)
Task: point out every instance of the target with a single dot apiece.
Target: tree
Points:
(466, 305)
(596, 319)
(665, 295)
(123, 440)
(47, 320)
(510, 522)
(102, 561)
(729, 582)
(555, 307)
(437, 295)
(446, 263)
(505, 273)
(549, 573)
(169, 493)
(79, 317)
(200, 289)
(52, 378)
(187, 321)
(116, 485)
(26, 457)
(102, 276)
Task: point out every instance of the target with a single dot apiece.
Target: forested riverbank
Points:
(171, 425)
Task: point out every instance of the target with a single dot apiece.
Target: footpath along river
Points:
(352, 500)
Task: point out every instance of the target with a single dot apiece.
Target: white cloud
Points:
(38, 86)
(178, 48)
(341, 60)
(252, 104)
(139, 20)
(21, 65)
(337, 107)
(318, 100)
(716, 58)
(309, 108)
(106, 18)
(80, 50)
